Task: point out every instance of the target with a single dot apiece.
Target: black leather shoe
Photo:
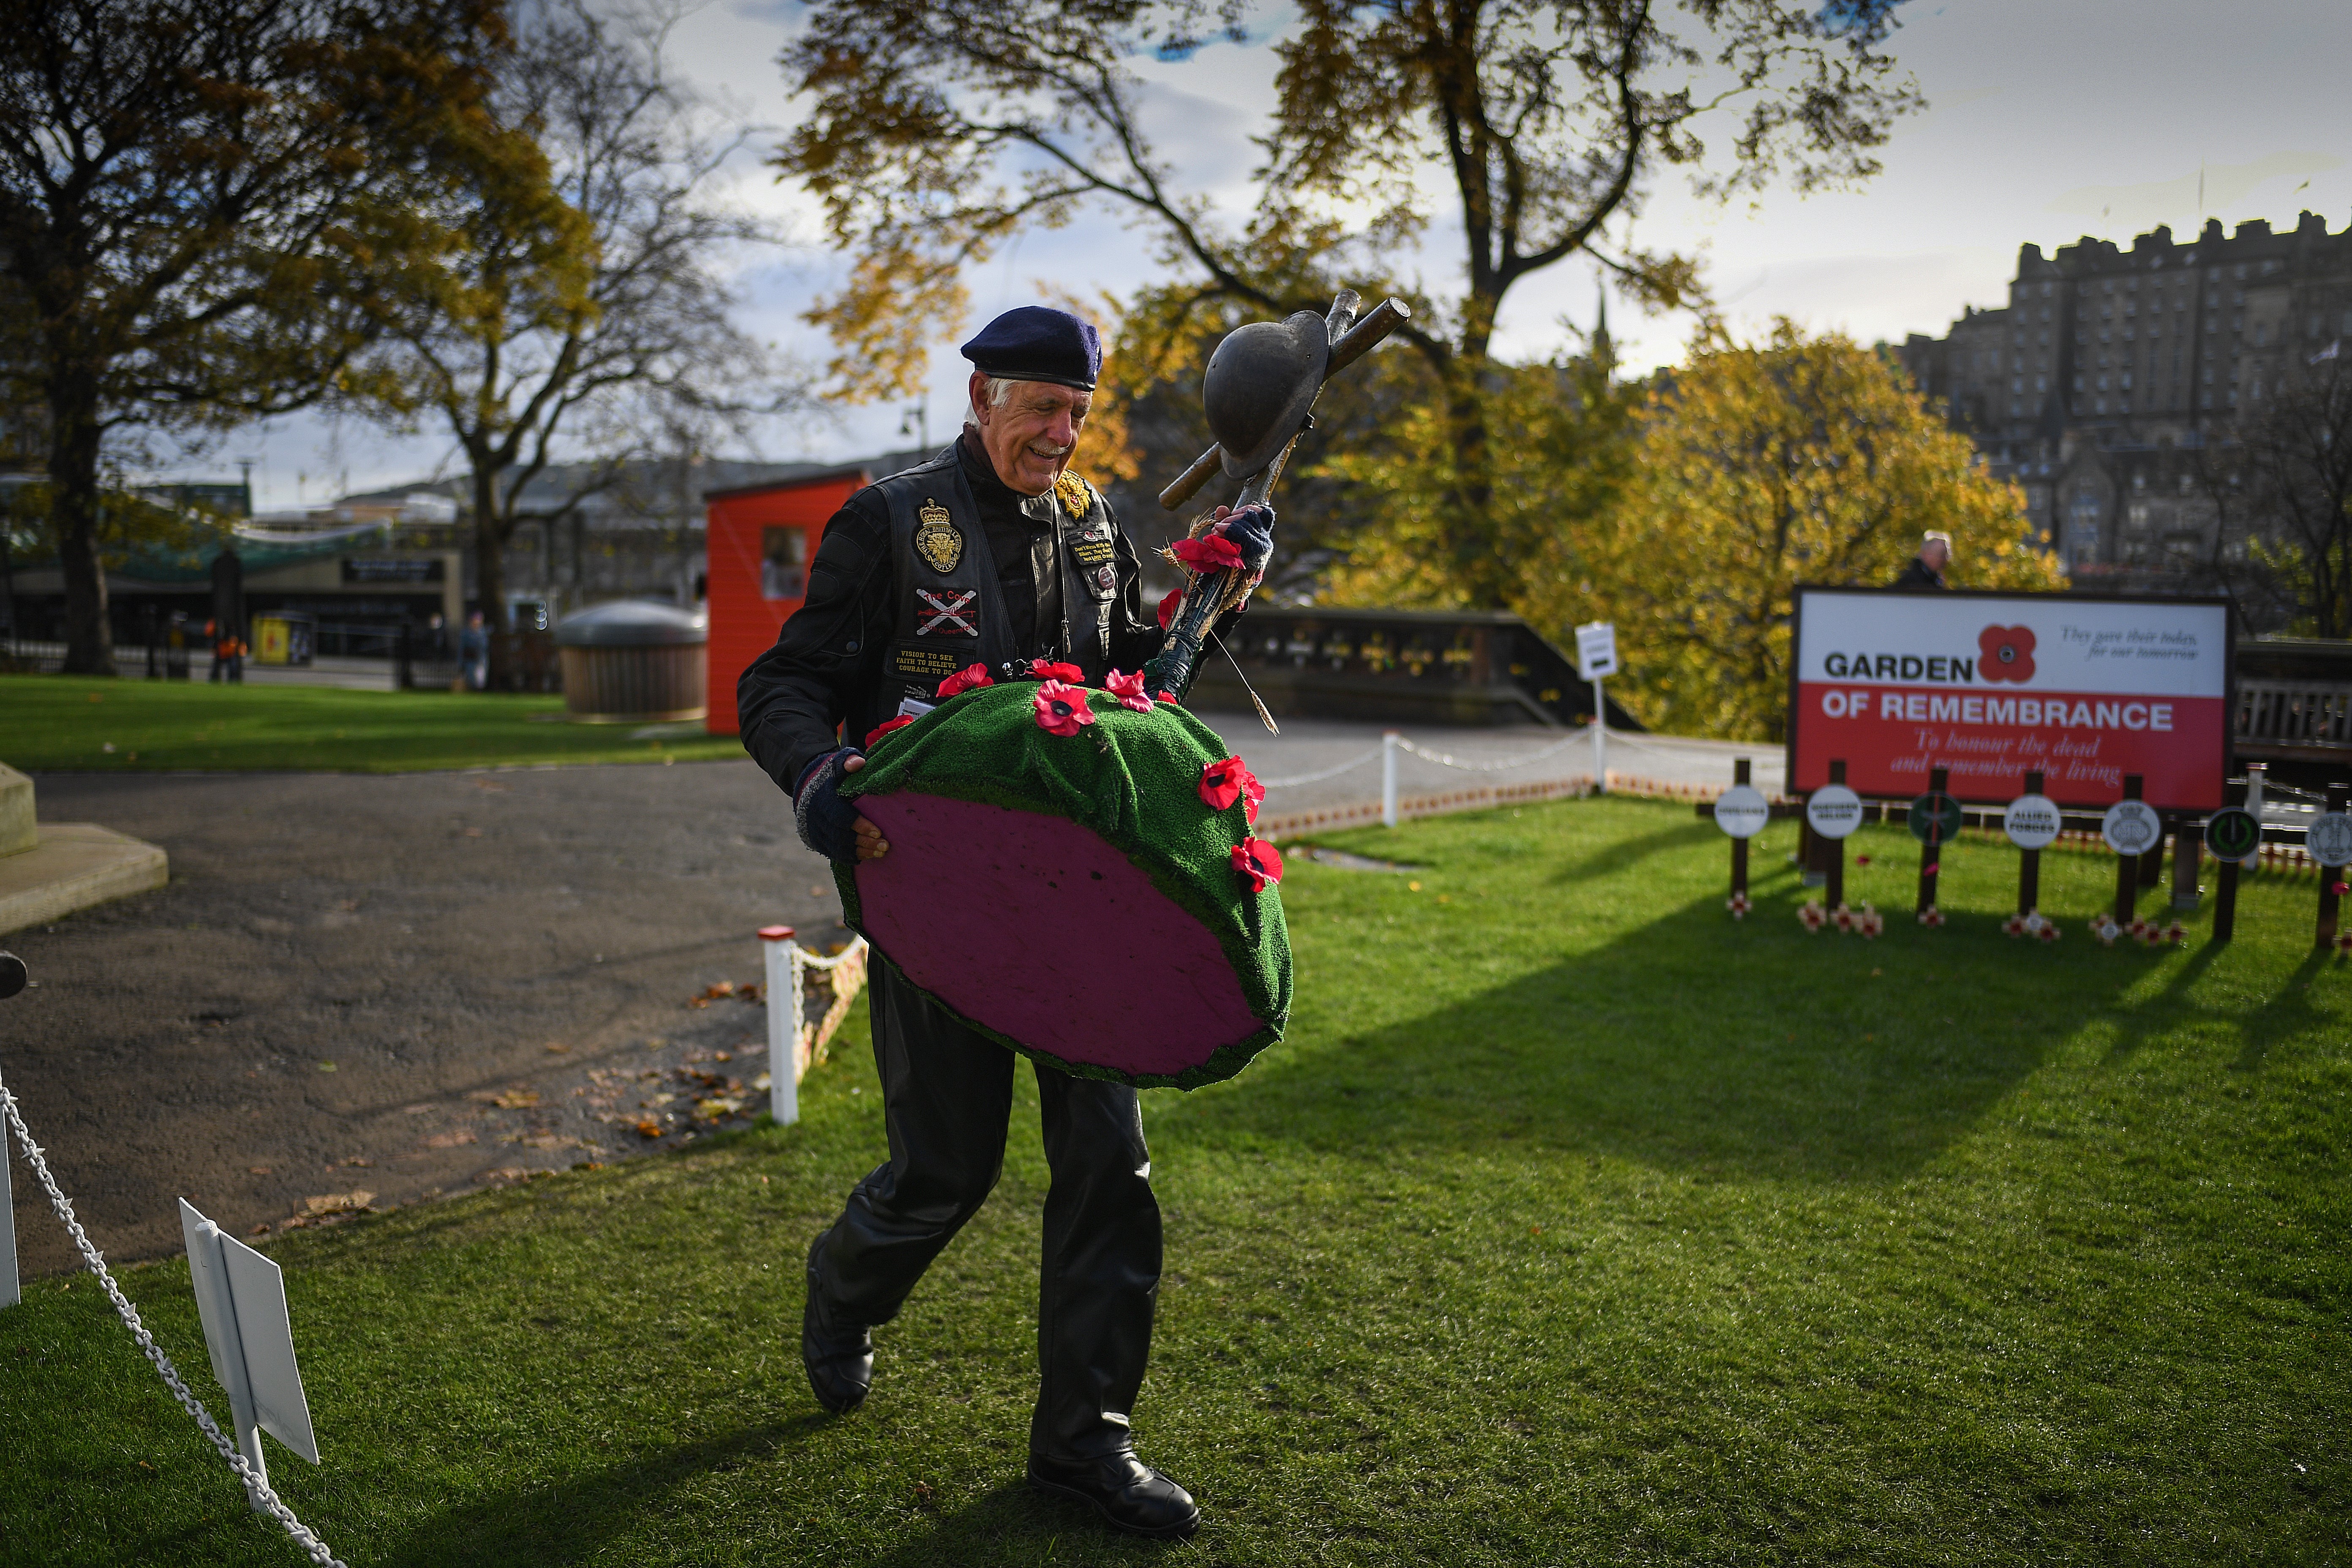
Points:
(840, 1364)
(1130, 1494)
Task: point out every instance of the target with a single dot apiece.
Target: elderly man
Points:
(1924, 574)
(989, 552)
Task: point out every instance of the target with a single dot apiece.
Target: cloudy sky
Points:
(2046, 122)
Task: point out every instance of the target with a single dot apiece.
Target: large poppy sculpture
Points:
(1074, 875)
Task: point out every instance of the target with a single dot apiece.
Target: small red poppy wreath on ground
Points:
(1210, 553)
(1168, 606)
(1062, 710)
(1258, 862)
(1047, 669)
(1221, 784)
(1129, 690)
(970, 677)
(879, 730)
(2008, 653)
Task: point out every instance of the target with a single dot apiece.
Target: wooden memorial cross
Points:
(2244, 794)
(2028, 862)
(2324, 936)
(1931, 847)
(1742, 773)
(2127, 866)
(1832, 853)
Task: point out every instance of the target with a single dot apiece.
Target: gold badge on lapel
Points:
(1073, 493)
(936, 539)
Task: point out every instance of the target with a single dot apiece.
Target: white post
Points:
(1600, 739)
(783, 1025)
(2256, 774)
(1389, 739)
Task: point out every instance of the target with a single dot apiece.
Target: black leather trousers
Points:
(946, 1098)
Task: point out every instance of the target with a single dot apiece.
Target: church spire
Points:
(1604, 351)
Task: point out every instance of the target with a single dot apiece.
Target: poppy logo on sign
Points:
(2008, 653)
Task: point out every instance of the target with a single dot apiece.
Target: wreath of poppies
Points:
(1062, 705)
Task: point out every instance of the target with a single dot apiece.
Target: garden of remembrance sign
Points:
(2082, 689)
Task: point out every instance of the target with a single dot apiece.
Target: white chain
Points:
(1443, 760)
(256, 1488)
(1326, 774)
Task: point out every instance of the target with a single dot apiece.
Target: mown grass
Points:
(63, 724)
(1574, 1222)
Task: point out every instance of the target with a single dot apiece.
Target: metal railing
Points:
(2294, 713)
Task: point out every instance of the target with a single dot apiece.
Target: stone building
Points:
(2109, 382)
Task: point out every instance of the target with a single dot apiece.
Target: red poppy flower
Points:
(1170, 699)
(1168, 606)
(900, 722)
(1258, 862)
(1062, 710)
(1221, 784)
(1210, 553)
(1129, 690)
(2008, 653)
(1047, 669)
(970, 677)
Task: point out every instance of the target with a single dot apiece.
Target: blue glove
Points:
(826, 823)
(1251, 529)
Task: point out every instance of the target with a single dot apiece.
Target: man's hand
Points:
(871, 845)
(1251, 531)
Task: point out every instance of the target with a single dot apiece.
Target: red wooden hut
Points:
(762, 539)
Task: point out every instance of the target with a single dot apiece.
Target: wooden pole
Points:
(2338, 795)
(2127, 866)
(1931, 848)
(2188, 850)
(1740, 773)
(1834, 855)
(2225, 893)
(2028, 862)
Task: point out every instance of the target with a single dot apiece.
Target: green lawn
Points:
(1573, 1224)
(62, 723)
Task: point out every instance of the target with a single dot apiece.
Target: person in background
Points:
(1924, 572)
(474, 652)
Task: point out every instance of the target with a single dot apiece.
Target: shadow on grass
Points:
(1622, 854)
(575, 1518)
(1699, 1044)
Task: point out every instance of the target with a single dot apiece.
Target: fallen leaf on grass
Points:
(338, 1203)
(649, 1127)
(516, 1099)
(558, 1048)
(717, 1108)
(451, 1139)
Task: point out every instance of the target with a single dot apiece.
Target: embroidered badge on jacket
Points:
(937, 539)
(1073, 493)
(947, 613)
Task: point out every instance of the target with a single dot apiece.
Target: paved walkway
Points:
(391, 985)
(1314, 746)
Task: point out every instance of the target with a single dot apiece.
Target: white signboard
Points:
(2033, 822)
(2132, 827)
(2329, 838)
(241, 1296)
(1834, 811)
(2083, 690)
(1596, 650)
(1742, 811)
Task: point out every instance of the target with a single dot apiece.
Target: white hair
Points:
(996, 389)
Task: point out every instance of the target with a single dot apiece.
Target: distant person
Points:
(474, 652)
(437, 637)
(1925, 573)
(228, 654)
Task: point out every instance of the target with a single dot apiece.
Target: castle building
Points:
(2111, 379)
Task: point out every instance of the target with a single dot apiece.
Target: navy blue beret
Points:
(1037, 342)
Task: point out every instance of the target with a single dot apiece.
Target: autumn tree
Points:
(1758, 466)
(939, 128)
(580, 301)
(198, 204)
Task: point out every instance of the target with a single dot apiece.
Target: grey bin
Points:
(632, 662)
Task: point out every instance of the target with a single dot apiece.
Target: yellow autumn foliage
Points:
(1800, 460)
